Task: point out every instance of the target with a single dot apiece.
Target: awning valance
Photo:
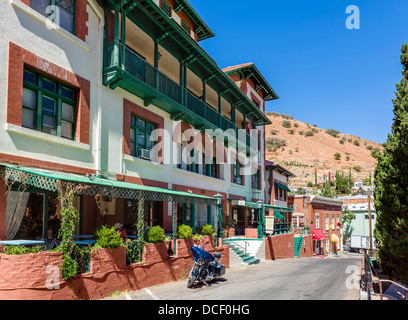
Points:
(334, 238)
(318, 235)
(91, 185)
(281, 186)
(278, 215)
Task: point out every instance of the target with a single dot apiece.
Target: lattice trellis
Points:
(14, 175)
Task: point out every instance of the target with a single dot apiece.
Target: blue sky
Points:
(324, 73)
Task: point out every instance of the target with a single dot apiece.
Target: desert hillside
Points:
(303, 148)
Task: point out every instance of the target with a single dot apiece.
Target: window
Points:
(237, 172)
(317, 220)
(165, 7)
(62, 12)
(255, 179)
(48, 105)
(211, 169)
(326, 222)
(140, 132)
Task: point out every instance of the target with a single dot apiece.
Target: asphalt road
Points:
(288, 279)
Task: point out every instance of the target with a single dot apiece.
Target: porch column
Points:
(174, 214)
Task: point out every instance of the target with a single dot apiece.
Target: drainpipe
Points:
(98, 128)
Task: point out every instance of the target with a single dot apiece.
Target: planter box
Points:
(228, 232)
(183, 247)
(155, 252)
(107, 260)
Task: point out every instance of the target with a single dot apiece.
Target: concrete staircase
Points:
(298, 246)
(254, 253)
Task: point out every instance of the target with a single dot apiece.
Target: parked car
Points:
(346, 247)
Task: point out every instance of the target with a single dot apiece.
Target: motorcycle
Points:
(206, 267)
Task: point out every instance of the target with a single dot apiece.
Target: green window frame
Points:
(140, 132)
(64, 16)
(236, 172)
(255, 180)
(210, 169)
(165, 6)
(48, 105)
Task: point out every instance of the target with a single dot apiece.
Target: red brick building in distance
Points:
(322, 216)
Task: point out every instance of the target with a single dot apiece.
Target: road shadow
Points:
(199, 285)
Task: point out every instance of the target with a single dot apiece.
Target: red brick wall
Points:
(18, 58)
(307, 247)
(25, 276)
(280, 246)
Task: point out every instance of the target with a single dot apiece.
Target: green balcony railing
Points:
(117, 54)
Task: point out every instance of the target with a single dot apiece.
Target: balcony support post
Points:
(115, 53)
(123, 39)
(156, 63)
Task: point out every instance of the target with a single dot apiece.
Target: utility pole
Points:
(369, 221)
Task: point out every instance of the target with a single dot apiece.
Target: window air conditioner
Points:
(144, 154)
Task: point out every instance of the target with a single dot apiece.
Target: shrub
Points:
(291, 131)
(274, 132)
(69, 267)
(285, 116)
(184, 232)
(286, 124)
(296, 125)
(347, 158)
(341, 141)
(16, 250)
(309, 133)
(108, 238)
(337, 155)
(333, 133)
(356, 143)
(357, 168)
(310, 184)
(207, 230)
(301, 132)
(275, 143)
(156, 234)
(370, 147)
(376, 153)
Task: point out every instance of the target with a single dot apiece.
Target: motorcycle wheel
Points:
(191, 281)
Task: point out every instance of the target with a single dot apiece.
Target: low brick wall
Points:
(34, 276)
(307, 247)
(280, 246)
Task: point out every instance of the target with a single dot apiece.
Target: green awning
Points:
(278, 215)
(92, 185)
(281, 186)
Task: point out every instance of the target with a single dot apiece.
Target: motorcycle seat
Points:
(217, 255)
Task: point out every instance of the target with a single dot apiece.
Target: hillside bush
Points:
(337, 156)
(286, 124)
(333, 133)
(357, 168)
(356, 143)
(275, 143)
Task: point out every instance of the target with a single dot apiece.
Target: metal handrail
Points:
(240, 239)
(380, 281)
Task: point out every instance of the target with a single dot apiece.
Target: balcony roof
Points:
(150, 18)
(247, 70)
(202, 30)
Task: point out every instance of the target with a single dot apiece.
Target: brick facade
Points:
(18, 59)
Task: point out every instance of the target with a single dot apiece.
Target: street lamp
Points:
(218, 217)
(260, 219)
